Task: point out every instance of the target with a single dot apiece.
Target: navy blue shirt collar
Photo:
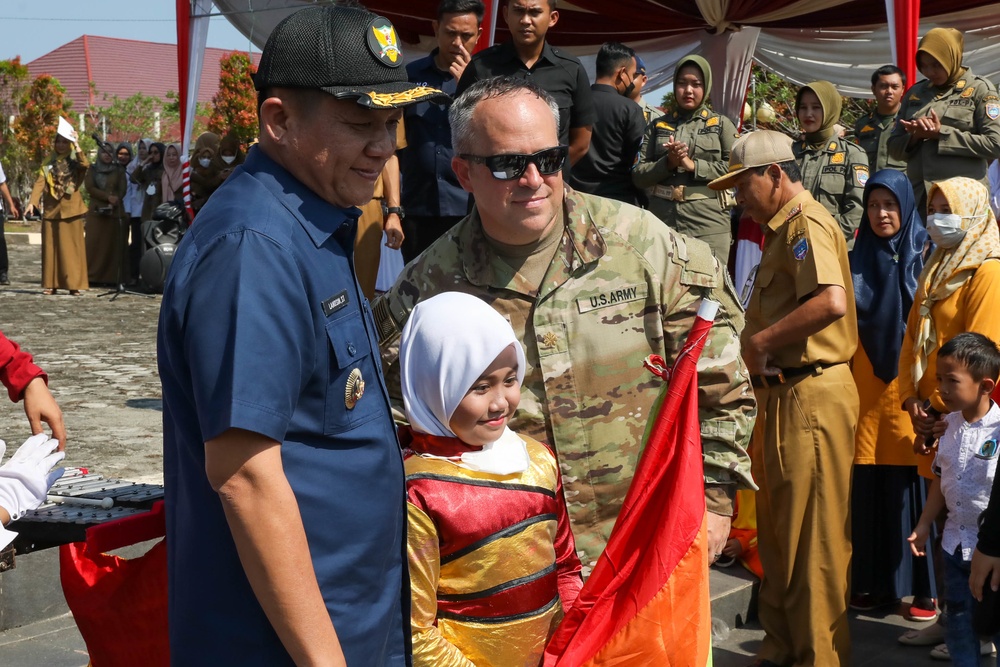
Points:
(319, 218)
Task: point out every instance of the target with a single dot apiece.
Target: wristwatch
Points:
(398, 210)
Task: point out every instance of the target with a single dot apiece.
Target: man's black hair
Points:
(978, 352)
(612, 56)
(462, 7)
(552, 4)
(791, 169)
(888, 70)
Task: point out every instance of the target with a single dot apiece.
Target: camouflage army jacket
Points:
(620, 286)
(970, 132)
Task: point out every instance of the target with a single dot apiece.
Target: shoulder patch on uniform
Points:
(712, 122)
(867, 128)
(704, 113)
(800, 249)
(960, 85)
(832, 146)
(969, 92)
(837, 158)
(665, 126)
(860, 174)
(914, 97)
(992, 106)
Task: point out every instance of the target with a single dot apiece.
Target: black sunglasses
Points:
(512, 166)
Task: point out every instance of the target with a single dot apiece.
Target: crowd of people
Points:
(101, 242)
(556, 233)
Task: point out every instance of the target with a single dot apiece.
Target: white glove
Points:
(25, 479)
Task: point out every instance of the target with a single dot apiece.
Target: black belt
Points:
(786, 374)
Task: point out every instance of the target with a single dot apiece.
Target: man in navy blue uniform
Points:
(285, 497)
(432, 198)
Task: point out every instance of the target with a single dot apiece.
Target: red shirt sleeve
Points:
(568, 568)
(16, 369)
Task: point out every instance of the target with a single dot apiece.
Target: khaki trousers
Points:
(368, 246)
(803, 449)
(64, 254)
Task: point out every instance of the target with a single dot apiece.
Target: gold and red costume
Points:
(492, 559)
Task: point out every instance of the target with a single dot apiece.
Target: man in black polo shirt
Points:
(606, 169)
(529, 56)
(432, 199)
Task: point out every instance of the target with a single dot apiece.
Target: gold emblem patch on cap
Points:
(354, 390)
(383, 42)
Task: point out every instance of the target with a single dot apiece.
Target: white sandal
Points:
(940, 652)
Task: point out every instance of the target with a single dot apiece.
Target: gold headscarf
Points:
(831, 102)
(947, 269)
(945, 45)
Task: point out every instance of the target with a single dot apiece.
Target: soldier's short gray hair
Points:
(460, 114)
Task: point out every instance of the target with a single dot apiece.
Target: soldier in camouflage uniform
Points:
(681, 152)
(949, 124)
(591, 286)
(873, 129)
(834, 170)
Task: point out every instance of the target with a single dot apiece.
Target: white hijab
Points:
(447, 343)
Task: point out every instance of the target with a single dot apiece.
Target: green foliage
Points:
(234, 107)
(128, 119)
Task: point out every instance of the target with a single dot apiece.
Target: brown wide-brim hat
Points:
(347, 52)
(756, 149)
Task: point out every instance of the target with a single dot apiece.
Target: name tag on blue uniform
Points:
(335, 303)
(611, 297)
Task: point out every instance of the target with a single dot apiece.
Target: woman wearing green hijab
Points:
(949, 123)
(681, 152)
(834, 170)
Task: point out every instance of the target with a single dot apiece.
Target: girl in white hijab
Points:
(486, 514)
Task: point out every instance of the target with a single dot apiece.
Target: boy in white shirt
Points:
(967, 370)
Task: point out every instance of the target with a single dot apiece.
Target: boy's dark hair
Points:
(612, 56)
(978, 352)
(889, 70)
(462, 7)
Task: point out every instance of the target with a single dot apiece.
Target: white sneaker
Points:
(940, 652)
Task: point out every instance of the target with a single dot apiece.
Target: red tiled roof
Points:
(121, 68)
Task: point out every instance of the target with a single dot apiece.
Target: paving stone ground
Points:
(101, 359)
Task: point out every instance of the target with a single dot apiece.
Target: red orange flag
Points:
(646, 602)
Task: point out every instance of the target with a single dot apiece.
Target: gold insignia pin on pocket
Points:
(354, 390)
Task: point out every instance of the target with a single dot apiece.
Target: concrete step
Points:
(733, 592)
(24, 238)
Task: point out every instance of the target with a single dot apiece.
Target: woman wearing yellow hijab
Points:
(958, 290)
(834, 170)
(949, 123)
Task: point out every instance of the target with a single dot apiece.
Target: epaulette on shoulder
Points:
(794, 213)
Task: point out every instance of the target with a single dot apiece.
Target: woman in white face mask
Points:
(958, 290)
(203, 174)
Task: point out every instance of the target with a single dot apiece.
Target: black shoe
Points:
(4, 280)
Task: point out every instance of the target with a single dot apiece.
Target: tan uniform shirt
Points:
(802, 251)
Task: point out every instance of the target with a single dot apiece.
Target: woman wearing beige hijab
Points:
(172, 185)
(107, 226)
(949, 123)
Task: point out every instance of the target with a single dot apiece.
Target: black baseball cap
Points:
(345, 51)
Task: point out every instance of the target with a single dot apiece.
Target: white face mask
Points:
(945, 229)
(228, 159)
(204, 161)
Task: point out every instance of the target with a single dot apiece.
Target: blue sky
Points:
(31, 28)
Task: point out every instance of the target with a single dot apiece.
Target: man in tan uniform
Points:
(801, 330)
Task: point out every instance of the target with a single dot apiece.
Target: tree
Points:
(14, 82)
(234, 107)
(130, 118)
(33, 131)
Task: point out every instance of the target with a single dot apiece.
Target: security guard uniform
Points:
(872, 134)
(802, 448)
(970, 133)
(681, 198)
(835, 172)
